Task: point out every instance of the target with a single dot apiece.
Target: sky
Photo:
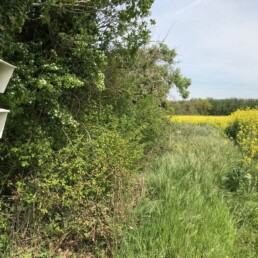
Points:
(216, 42)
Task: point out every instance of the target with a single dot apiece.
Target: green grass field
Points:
(187, 209)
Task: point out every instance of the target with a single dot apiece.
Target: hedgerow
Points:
(86, 113)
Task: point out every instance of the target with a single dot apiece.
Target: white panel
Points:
(3, 116)
(6, 71)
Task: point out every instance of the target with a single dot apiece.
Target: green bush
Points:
(72, 193)
(233, 129)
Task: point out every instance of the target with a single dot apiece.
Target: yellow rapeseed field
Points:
(217, 121)
(243, 122)
(247, 133)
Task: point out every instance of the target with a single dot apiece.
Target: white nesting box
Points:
(3, 116)
(6, 71)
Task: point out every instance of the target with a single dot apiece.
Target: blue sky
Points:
(216, 42)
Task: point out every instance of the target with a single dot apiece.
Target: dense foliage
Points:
(214, 107)
(86, 105)
(225, 107)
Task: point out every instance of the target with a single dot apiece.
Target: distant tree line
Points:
(210, 106)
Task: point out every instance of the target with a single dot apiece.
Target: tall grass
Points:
(182, 212)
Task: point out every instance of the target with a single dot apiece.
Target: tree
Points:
(86, 103)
